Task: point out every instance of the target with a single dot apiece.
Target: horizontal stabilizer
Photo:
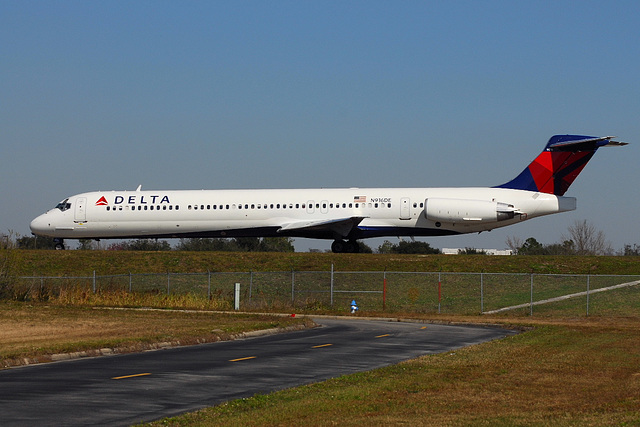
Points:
(587, 143)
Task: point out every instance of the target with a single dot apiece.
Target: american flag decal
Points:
(359, 199)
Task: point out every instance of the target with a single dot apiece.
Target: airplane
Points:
(344, 215)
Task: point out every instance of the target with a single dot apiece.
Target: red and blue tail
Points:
(562, 160)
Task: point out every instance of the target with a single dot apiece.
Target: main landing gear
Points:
(58, 244)
(342, 246)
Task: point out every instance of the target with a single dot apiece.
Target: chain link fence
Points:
(374, 291)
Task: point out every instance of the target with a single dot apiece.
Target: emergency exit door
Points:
(405, 208)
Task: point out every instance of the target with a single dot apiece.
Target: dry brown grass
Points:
(36, 331)
(563, 372)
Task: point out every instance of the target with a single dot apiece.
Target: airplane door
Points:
(81, 209)
(405, 208)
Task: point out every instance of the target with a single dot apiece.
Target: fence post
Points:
(94, 281)
(384, 289)
(481, 292)
(331, 285)
(293, 286)
(531, 301)
(168, 281)
(588, 282)
(209, 285)
(250, 284)
(130, 283)
(439, 290)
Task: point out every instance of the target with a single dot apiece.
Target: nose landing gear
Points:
(342, 246)
(58, 244)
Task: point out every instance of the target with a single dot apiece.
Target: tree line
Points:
(582, 238)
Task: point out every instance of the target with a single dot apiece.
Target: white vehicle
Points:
(343, 215)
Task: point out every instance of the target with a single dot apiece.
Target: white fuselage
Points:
(354, 213)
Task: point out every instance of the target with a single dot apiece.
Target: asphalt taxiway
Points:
(133, 388)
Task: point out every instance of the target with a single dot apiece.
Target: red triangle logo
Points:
(102, 202)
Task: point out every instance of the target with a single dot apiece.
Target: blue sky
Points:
(296, 94)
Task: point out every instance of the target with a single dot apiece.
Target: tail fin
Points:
(563, 158)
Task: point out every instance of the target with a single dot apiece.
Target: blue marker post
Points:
(354, 307)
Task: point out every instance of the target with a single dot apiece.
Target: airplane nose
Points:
(40, 225)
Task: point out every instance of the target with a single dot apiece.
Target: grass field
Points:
(60, 263)
(37, 331)
(566, 369)
(561, 373)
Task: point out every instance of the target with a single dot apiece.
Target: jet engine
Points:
(464, 210)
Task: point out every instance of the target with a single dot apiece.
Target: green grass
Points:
(57, 263)
(562, 373)
(416, 287)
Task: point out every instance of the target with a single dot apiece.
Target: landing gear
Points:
(341, 246)
(58, 244)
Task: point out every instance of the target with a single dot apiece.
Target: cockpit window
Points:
(64, 205)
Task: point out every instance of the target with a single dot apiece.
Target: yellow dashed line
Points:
(242, 358)
(381, 336)
(131, 376)
(323, 345)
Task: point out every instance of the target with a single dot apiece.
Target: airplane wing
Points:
(339, 226)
